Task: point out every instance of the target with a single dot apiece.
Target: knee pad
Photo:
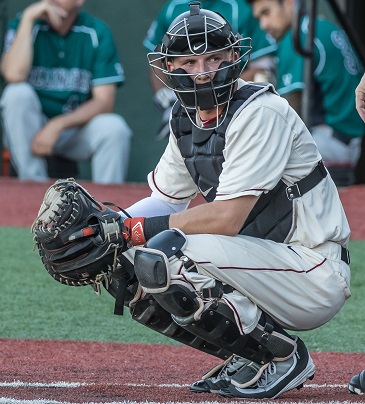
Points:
(151, 263)
(152, 269)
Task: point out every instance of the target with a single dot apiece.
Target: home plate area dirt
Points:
(48, 372)
(97, 372)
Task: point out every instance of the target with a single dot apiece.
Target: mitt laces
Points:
(99, 279)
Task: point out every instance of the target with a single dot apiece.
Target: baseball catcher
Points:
(234, 277)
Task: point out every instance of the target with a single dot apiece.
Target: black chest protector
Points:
(272, 216)
(201, 149)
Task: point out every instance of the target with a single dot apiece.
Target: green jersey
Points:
(65, 68)
(337, 72)
(237, 12)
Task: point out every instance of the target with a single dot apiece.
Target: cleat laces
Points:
(265, 377)
(231, 368)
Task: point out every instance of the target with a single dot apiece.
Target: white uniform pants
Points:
(298, 287)
(105, 139)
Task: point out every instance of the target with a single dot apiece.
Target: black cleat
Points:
(278, 377)
(357, 383)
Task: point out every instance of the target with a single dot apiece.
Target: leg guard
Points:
(212, 321)
(149, 313)
(267, 342)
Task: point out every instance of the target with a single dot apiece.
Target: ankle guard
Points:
(274, 338)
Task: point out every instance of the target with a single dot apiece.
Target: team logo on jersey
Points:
(350, 61)
(287, 79)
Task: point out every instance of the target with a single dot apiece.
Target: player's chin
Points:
(275, 34)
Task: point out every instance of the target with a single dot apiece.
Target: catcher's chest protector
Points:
(203, 149)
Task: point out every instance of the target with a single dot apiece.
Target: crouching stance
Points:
(208, 313)
(235, 277)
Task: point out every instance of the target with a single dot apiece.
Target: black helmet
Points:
(197, 32)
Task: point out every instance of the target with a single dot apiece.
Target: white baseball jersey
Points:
(303, 283)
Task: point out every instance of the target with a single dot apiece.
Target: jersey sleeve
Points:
(107, 67)
(170, 180)
(258, 148)
(157, 30)
(10, 32)
(290, 67)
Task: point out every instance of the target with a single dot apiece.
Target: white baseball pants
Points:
(300, 288)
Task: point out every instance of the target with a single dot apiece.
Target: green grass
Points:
(35, 306)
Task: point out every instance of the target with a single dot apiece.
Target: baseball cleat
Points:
(220, 376)
(357, 383)
(277, 377)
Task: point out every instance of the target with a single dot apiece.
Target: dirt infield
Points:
(114, 372)
(84, 372)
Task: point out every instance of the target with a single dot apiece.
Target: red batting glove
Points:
(133, 231)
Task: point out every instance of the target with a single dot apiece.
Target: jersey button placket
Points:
(61, 48)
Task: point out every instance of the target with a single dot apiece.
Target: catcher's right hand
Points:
(79, 239)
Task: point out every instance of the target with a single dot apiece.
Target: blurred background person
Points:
(360, 106)
(62, 71)
(335, 127)
(239, 14)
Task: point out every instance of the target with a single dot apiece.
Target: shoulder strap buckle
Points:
(307, 183)
(293, 192)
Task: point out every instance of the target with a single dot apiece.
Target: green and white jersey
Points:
(337, 72)
(65, 68)
(237, 12)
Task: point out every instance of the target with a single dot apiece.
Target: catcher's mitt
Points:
(78, 238)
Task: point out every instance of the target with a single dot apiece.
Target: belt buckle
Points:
(292, 192)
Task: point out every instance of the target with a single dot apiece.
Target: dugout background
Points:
(129, 21)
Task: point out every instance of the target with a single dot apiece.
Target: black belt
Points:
(345, 255)
(307, 183)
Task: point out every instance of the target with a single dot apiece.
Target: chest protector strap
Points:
(272, 216)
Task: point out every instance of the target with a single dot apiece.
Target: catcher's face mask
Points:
(201, 59)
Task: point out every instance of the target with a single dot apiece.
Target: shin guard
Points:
(264, 344)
